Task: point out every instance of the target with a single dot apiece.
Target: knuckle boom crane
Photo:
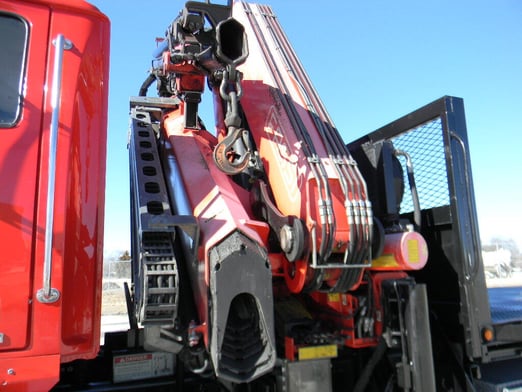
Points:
(267, 225)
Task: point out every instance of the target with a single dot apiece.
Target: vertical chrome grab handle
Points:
(47, 294)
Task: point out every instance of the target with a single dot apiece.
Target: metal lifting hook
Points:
(232, 154)
(228, 155)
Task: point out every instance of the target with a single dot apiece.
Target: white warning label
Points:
(141, 366)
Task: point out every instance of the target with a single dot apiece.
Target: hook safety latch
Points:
(232, 154)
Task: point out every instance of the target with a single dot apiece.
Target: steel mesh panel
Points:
(425, 145)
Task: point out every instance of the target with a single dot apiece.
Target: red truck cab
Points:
(53, 122)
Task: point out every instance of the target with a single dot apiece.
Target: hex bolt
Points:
(11, 372)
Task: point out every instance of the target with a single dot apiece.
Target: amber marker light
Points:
(487, 334)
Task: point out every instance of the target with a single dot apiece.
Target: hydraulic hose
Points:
(367, 372)
(146, 84)
(413, 187)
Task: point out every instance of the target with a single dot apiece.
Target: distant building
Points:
(497, 263)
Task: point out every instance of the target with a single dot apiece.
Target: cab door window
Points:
(13, 43)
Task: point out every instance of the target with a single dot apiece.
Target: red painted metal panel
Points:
(29, 374)
(19, 164)
(80, 186)
(37, 335)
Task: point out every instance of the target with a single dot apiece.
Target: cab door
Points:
(23, 52)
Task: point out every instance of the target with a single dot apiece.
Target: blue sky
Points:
(371, 62)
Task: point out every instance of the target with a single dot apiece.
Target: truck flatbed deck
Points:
(505, 304)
